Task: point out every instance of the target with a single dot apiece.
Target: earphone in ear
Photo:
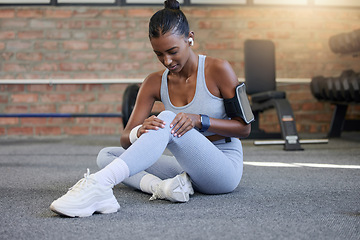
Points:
(191, 41)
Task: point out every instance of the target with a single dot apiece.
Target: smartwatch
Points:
(205, 122)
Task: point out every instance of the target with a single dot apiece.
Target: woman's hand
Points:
(184, 122)
(151, 123)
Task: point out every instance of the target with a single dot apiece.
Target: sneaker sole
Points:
(107, 206)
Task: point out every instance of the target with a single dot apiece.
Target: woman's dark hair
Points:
(171, 18)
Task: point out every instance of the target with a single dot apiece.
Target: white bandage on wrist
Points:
(133, 134)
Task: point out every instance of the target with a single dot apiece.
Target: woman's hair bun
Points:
(172, 4)
(169, 19)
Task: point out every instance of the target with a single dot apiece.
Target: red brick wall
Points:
(111, 42)
(62, 98)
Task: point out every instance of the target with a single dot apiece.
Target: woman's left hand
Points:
(184, 122)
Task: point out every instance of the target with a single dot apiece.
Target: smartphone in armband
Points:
(239, 105)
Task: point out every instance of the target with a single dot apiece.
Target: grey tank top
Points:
(203, 102)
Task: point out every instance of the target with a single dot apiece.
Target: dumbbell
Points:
(334, 44)
(355, 40)
(340, 43)
(357, 33)
(337, 89)
(345, 42)
(340, 88)
(345, 85)
(328, 89)
(354, 87)
(315, 86)
(348, 45)
(322, 88)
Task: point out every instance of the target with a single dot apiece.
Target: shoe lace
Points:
(158, 193)
(82, 183)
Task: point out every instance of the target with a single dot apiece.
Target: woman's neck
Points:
(190, 68)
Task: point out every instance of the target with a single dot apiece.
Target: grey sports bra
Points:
(203, 102)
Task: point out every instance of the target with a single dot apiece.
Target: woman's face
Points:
(172, 51)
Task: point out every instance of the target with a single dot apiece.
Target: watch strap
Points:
(205, 122)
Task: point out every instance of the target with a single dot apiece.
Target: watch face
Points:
(205, 122)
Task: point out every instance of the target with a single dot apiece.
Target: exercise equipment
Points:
(316, 86)
(261, 86)
(344, 88)
(282, 142)
(345, 85)
(128, 103)
(337, 89)
(345, 43)
(354, 87)
(340, 91)
(329, 85)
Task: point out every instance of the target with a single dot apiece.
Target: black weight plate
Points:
(316, 88)
(342, 43)
(347, 43)
(129, 99)
(357, 33)
(345, 85)
(329, 85)
(345, 89)
(355, 44)
(354, 81)
(336, 43)
(333, 45)
(336, 89)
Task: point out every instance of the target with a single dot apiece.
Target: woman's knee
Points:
(166, 116)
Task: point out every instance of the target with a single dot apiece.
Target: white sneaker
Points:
(86, 197)
(177, 189)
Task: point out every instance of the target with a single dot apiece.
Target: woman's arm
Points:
(149, 92)
(221, 81)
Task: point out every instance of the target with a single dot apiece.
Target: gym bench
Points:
(260, 80)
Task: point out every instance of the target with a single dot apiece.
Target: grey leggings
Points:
(214, 168)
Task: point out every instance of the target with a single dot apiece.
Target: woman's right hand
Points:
(151, 123)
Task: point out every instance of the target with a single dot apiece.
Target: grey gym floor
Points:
(280, 196)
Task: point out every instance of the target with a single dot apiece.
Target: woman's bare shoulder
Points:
(217, 64)
(222, 75)
(152, 84)
(154, 77)
(220, 70)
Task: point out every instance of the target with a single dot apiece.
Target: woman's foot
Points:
(86, 197)
(177, 189)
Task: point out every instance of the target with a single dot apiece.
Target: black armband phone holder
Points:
(239, 105)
